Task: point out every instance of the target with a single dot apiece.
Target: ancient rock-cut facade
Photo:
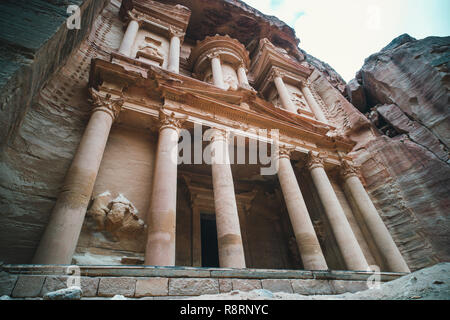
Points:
(224, 83)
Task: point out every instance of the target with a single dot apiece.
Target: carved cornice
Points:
(176, 32)
(315, 160)
(349, 169)
(105, 103)
(170, 120)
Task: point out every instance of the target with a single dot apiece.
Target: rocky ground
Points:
(427, 284)
(432, 283)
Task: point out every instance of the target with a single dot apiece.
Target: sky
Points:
(345, 32)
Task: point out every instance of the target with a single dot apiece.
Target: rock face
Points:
(405, 160)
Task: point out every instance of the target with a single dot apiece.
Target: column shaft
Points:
(316, 109)
(284, 95)
(380, 234)
(161, 219)
(346, 240)
(174, 55)
(129, 38)
(307, 241)
(61, 235)
(242, 77)
(231, 250)
(217, 72)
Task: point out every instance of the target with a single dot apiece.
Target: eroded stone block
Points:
(7, 282)
(312, 287)
(246, 285)
(193, 287)
(277, 285)
(225, 285)
(109, 287)
(152, 287)
(28, 286)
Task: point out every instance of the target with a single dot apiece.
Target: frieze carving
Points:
(212, 55)
(315, 160)
(106, 103)
(349, 169)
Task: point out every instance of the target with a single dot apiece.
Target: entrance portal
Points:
(210, 248)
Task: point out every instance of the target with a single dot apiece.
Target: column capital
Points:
(285, 151)
(135, 16)
(219, 134)
(276, 73)
(170, 120)
(105, 103)
(243, 66)
(315, 160)
(349, 169)
(176, 32)
(213, 54)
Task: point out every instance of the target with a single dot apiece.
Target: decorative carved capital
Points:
(135, 16)
(212, 55)
(219, 134)
(175, 32)
(276, 73)
(285, 151)
(170, 120)
(348, 170)
(105, 103)
(242, 66)
(315, 160)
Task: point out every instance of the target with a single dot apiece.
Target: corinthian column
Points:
(316, 109)
(174, 51)
(283, 92)
(130, 35)
(380, 234)
(346, 240)
(161, 218)
(231, 250)
(60, 238)
(307, 242)
(216, 68)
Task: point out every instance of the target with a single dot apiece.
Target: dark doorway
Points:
(210, 249)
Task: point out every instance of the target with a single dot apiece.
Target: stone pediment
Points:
(157, 13)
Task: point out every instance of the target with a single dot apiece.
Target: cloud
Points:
(343, 33)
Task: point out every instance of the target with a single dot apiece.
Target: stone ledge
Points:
(191, 272)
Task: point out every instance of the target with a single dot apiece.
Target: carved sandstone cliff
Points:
(403, 89)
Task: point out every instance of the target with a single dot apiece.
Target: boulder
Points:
(72, 293)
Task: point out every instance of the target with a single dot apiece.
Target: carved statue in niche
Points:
(231, 82)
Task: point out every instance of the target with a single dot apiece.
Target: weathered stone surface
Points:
(28, 286)
(341, 286)
(7, 282)
(109, 287)
(356, 95)
(72, 293)
(246, 285)
(89, 285)
(311, 287)
(193, 287)
(277, 285)
(152, 287)
(225, 285)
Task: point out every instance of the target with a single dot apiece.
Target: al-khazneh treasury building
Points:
(313, 213)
